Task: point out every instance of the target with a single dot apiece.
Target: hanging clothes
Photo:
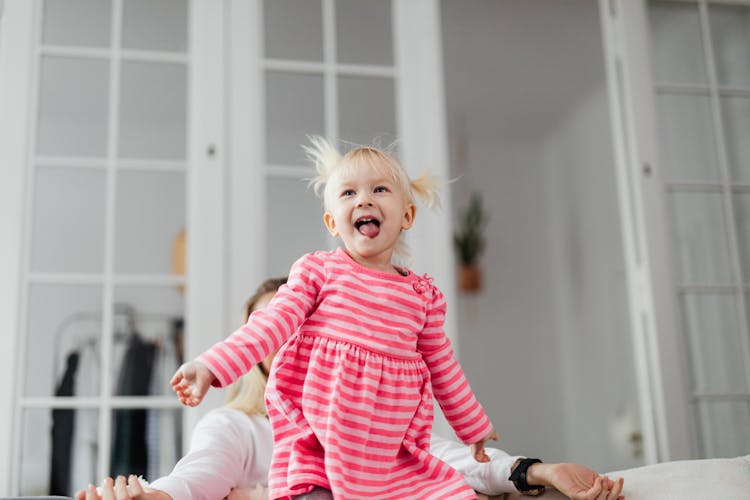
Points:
(63, 420)
(129, 448)
(85, 441)
(163, 426)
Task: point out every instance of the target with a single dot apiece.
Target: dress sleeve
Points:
(214, 464)
(267, 329)
(449, 384)
(490, 478)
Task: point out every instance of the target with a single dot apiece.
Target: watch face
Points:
(534, 492)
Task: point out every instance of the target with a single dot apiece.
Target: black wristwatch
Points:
(518, 476)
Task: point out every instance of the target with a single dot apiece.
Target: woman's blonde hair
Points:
(329, 162)
(247, 393)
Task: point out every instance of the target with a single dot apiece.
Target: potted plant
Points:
(469, 241)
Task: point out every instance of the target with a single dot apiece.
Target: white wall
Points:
(507, 332)
(546, 342)
(592, 327)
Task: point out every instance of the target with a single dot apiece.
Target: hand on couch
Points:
(120, 489)
(575, 481)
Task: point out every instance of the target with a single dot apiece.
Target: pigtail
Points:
(426, 188)
(325, 158)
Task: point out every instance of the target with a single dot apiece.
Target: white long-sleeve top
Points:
(490, 478)
(229, 450)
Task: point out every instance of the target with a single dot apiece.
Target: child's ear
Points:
(330, 224)
(409, 214)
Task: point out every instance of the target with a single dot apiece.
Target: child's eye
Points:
(347, 192)
(381, 189)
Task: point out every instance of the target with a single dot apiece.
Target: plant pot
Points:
(470, 278)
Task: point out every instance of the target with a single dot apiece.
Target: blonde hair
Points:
(247, 393)
(329, 162)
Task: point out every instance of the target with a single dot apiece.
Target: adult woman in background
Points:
(231, 447)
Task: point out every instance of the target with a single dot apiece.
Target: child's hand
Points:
(477, 449)
(191, 382)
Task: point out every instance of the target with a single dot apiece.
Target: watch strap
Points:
(518, 476)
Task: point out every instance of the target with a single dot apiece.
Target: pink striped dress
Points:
(350, 397)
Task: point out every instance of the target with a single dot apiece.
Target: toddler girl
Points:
(350, 396)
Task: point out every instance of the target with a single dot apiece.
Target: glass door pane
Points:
(689, 149)
(63, 459)
(701, 236)
(157, 25)
(730, 37)
(712, 325)
(149, 214)
(742, 220)
(63, 341)
(147, 337)
(724, 428)
(735, 111)
(359, 42)
(153, 110)
(70, 239)
(77, 23)
(304, 217)
(367, 110)
(296, 37)
(295, 108)
(677, 44)
(73, 107)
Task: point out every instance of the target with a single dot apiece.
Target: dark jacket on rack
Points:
(63, 420)
(129, 447)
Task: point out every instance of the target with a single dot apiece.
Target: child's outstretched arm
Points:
(477, 449)
(449, 384)
(191, 382)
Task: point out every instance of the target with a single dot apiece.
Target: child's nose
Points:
(364, 200)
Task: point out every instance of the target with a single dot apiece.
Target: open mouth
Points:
(368, 226)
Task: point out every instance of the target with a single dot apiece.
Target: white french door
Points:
(350, 70)
(679, 74)
(95, 122)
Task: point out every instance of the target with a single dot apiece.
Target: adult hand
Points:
(191, 382)
(120, 489)
(575, 481)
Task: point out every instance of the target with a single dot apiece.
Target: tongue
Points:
(370, 229)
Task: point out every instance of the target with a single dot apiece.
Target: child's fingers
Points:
(177, 377)
(480, 455)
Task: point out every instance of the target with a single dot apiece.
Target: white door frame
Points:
(16, 65)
